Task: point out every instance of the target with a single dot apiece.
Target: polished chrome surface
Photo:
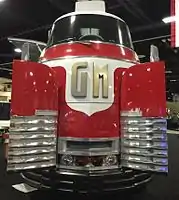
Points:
(84, 146)
(88, 168)
(32, 142)
(32, 158)
(44, 61)
(33, 123)
(89, 139)
(26, 166)
(144, 144)
(89, 42)
(30, 151)
(83, 181)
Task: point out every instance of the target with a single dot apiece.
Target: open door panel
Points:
(33, 123)
(143, 118)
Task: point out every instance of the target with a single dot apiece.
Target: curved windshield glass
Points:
(88, 27)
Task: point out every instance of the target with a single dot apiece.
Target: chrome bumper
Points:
(80, 182)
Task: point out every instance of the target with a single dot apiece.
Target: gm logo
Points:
(79, 80)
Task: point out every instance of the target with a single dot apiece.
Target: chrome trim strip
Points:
(33, 129)
(81, 56)
(144, 137)
(132, 186)
(141, 174)
(33, 120)
(137, 120)
(89, 42)
(145, 160)
(93, 168)
(32, 143)
(27, 135)
(47, 113)
(27, 41)
(88, 139)
(26, 166)
(145, 152)
(32, 158)
(145, 144)
(31, 151)
(32, 181)
(143, 182)
(90, 13)
(145, 167)
(98, 152)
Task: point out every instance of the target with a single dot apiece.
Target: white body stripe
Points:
(89, 105)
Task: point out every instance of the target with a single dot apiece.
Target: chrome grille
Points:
(144, 143)
(32, 142)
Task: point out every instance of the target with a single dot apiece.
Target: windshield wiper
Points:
(84, 43)
(67, 40)
(72, 39)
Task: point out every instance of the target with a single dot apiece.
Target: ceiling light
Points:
(141, 56)
(17, 50)
(170, 19)
(168, 72)
(1, 0)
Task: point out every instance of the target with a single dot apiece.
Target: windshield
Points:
(88, 27)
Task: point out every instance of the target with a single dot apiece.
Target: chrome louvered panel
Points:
(144, 143)
(32, 142)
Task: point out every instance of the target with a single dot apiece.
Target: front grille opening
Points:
(87, 145)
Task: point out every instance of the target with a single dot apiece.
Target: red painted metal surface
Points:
(33, 88)
(77, 124)
(5, 136)
(173, 24)
(94, 49)
(36, 86)
(143, 87)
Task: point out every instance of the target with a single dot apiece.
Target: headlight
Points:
(67, 160)
(110, 160)
(86, 162)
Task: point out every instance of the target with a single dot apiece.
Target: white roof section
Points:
(89, 13)
(85, 5)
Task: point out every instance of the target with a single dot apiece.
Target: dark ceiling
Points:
(32, 19)
(26, 18)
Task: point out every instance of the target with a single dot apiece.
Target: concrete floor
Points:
(161, 188)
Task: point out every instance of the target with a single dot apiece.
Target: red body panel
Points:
(33, 88)
(102, 124)
(143, 87)
(94, 49)
(173, 23)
